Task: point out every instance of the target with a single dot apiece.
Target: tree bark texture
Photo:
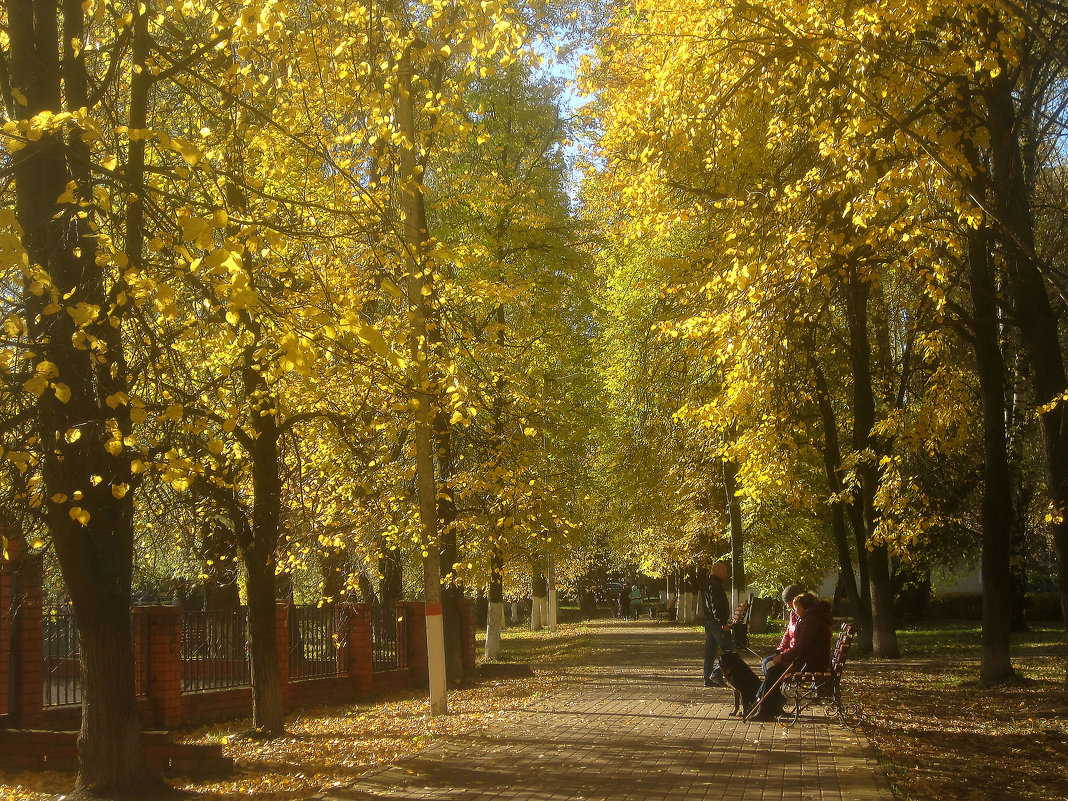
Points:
(451, 590)
(734, 513)
(832, 463)
(884, 635)
(415, 237)
(94, 554)
(1032, 311)
(997, 488)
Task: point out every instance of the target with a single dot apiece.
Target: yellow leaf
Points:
(37, 385)
(372, 338)
(62, 392)
(79, 514)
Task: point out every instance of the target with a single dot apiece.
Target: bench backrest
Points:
(841, 648)
(741, 613)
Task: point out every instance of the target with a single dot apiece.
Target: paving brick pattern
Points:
(634, 723)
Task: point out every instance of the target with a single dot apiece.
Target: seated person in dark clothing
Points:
(811, 650)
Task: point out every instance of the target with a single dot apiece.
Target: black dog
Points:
(742, 680)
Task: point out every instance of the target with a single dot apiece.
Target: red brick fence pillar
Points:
(164, 670)
(21, 629)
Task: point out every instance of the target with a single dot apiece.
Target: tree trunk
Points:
(832, 465)
(734, 513)
(390, 588)
(218, 547)
(997, 499)
(93, 536)
(1022, 491)
(495, 622)
(267, 712)
(884, 636)
(258, 542)
(537, 600)
(1034, 313)
(451, 590)
(260, 563)
(415, 237)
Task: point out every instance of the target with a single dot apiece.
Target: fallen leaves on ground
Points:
(941, 735)
(331, 746)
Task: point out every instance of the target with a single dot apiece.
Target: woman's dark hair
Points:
(805, 600)
(790, 592)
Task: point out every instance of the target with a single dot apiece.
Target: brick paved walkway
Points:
(634, 724)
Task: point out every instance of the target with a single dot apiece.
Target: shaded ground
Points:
(942, 736)
(632, 722)
(938, 735)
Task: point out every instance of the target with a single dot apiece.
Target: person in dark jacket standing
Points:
(811, 651)
(717, 620)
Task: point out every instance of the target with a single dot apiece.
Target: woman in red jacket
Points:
(789, 592)
(811, 650)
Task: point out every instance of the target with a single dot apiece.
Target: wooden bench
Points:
(807, 688)
(740, 625)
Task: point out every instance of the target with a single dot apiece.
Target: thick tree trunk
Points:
(260, 562)
(93, 536)
(884, 635)
(997, 499)
(108, 704)
(267, 713)
(1034, 313)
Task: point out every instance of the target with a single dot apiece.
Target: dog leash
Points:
(779, 680)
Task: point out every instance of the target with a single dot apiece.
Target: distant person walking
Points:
(636, 601)
(717, 621)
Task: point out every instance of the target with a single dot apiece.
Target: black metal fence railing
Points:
(388, 647)
(214, 650)
(62, 671)
(317, 643)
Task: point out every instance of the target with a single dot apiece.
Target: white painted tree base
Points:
(536, 608)
(435, 647)
(494, 626)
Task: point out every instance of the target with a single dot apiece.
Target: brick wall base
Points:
(28, 749)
